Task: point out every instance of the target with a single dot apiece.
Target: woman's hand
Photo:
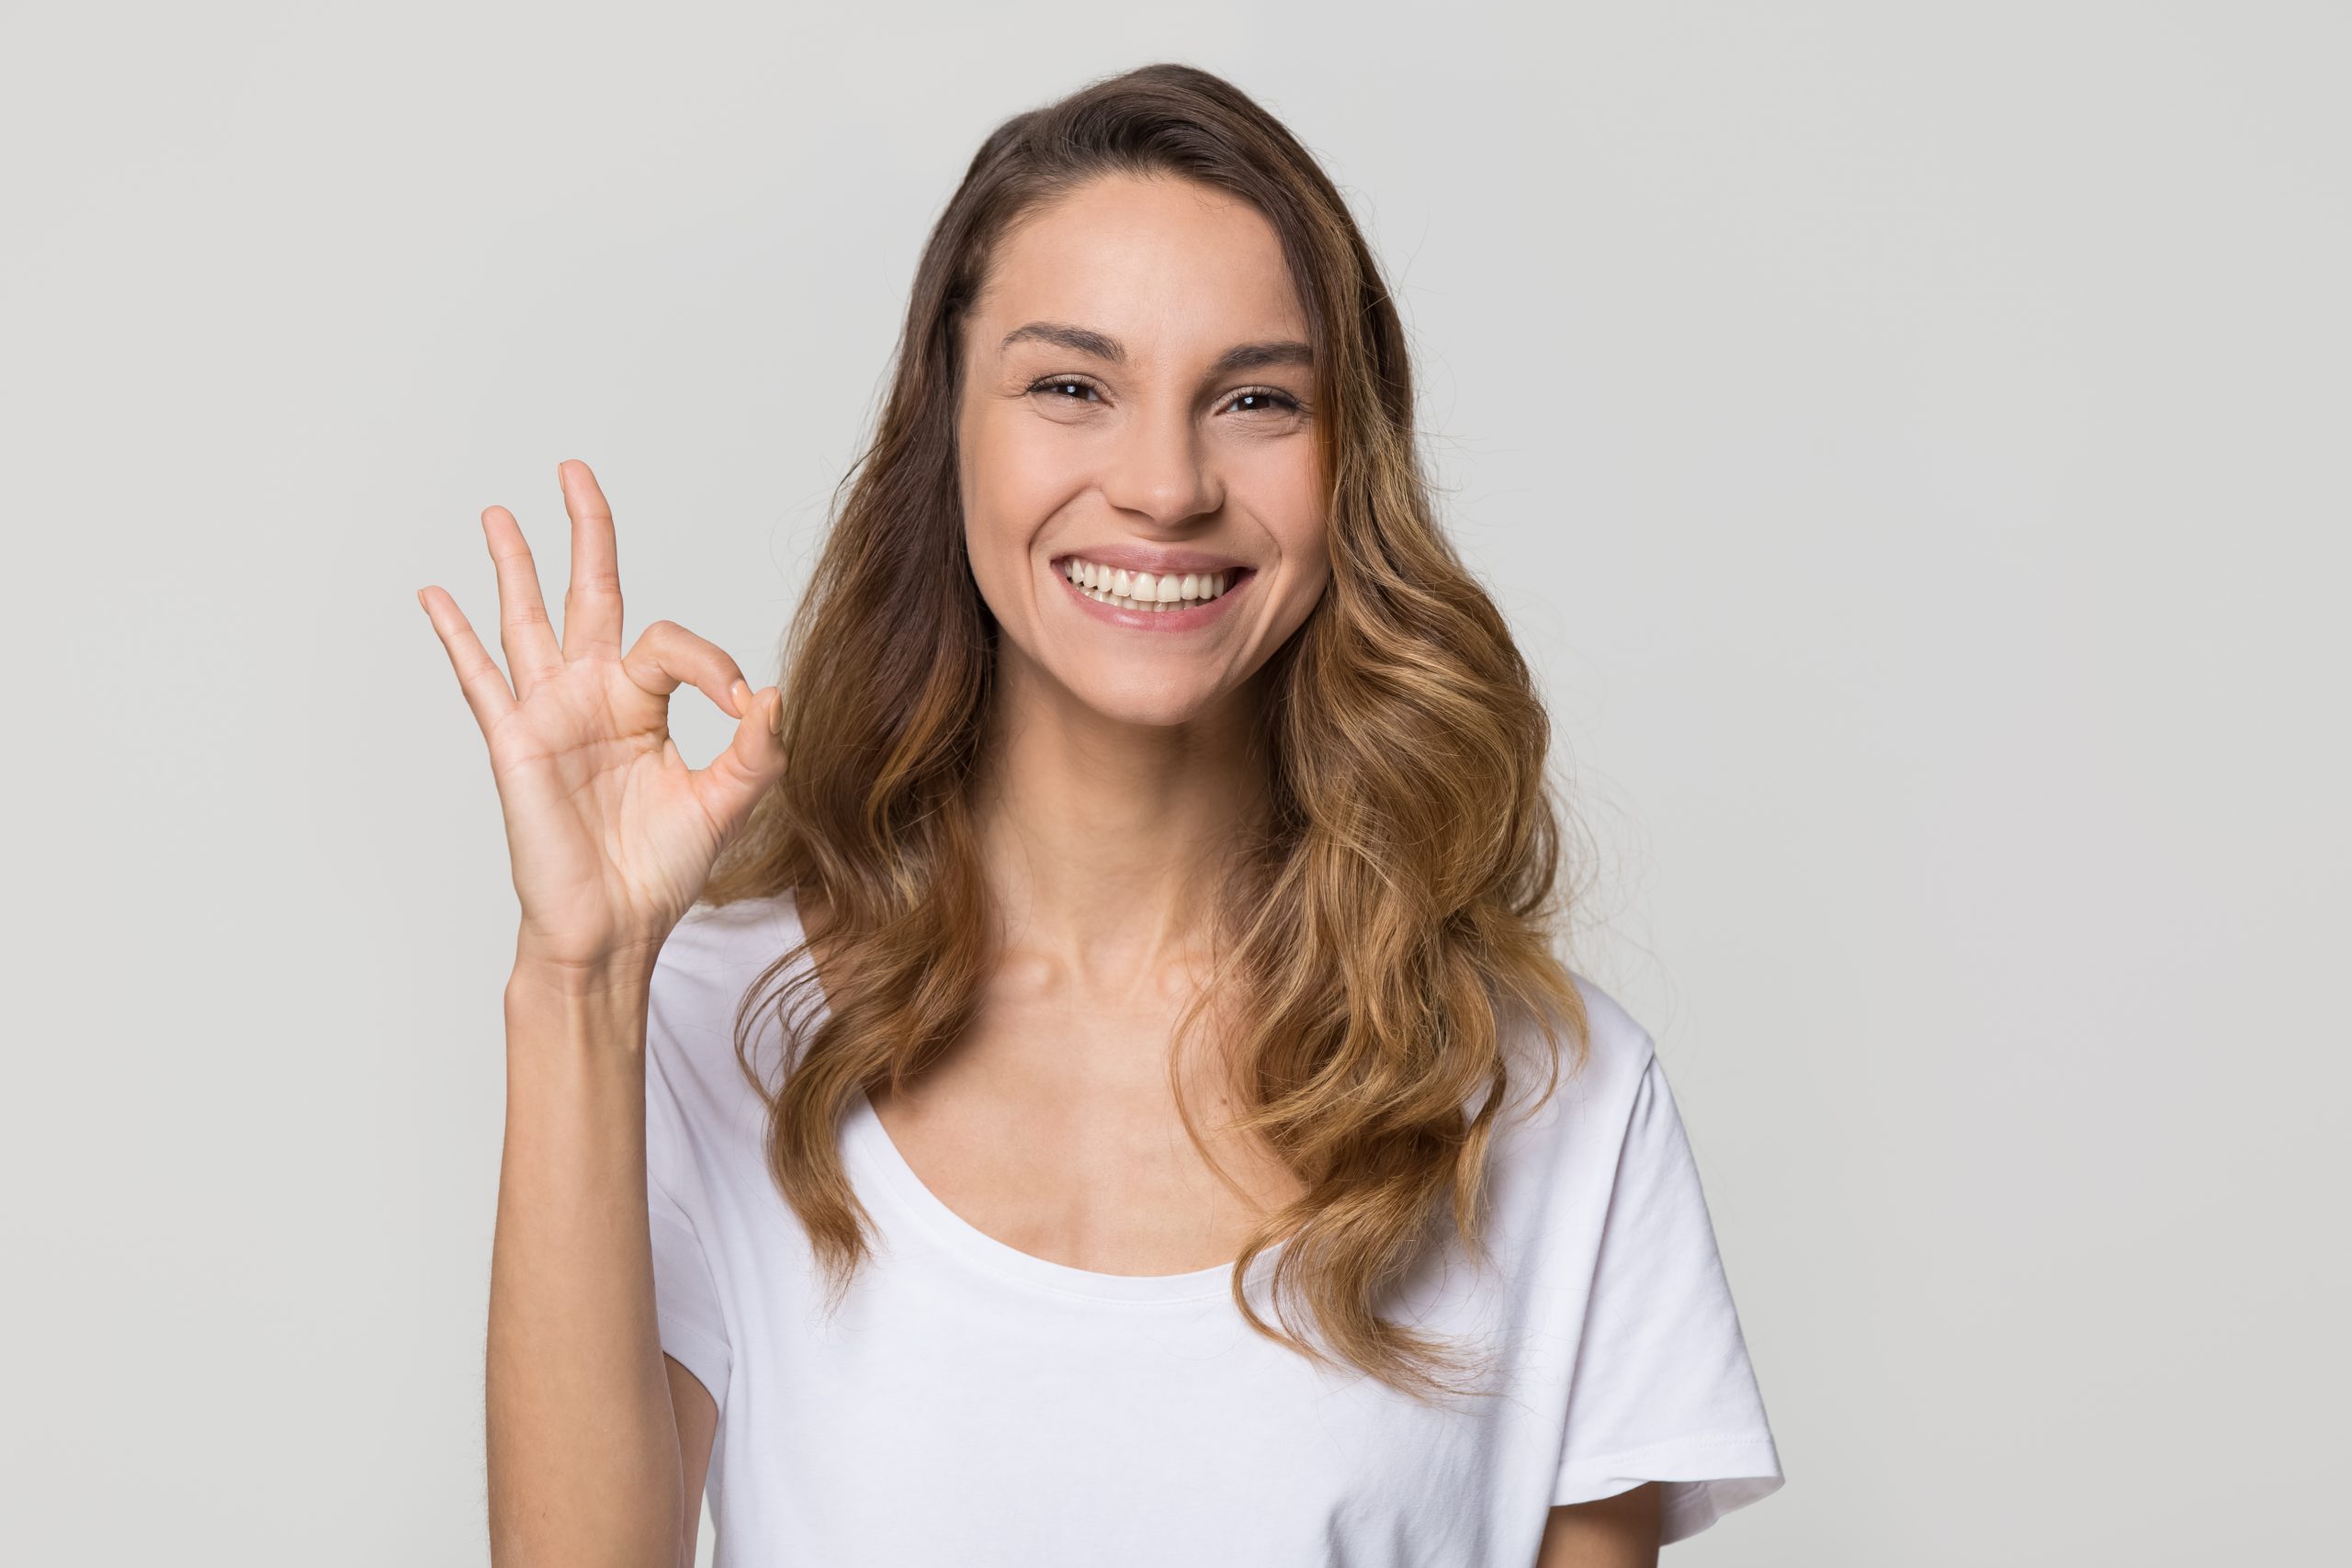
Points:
(611, 834)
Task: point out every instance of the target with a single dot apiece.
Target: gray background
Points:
(1910, 439)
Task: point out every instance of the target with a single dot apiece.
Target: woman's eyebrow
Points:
(1084, 339)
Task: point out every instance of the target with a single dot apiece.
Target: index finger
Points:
(592, 605)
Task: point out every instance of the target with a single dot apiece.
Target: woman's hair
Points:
(1378, 938)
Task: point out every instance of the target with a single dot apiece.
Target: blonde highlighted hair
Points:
(1379, 938)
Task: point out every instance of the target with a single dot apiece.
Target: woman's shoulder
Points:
(712, 959)
(1593, 1084)
(720, 938)
(1618, 1043)
(710, 968)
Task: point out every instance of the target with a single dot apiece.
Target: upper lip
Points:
(1158, 562)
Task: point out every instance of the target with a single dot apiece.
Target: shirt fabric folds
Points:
(972, 1403)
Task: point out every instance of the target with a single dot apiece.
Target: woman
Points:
(1077, 1028)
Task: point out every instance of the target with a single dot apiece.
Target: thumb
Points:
(751, 763)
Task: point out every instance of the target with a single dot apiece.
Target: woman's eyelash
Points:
(1287, 403)
(1060, 381)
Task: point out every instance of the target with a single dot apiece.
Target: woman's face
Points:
(1137, 399)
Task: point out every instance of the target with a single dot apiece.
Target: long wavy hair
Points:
(1377, 938)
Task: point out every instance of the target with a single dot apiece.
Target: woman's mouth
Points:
(1171, 601)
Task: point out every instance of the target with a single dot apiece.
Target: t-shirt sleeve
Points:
(1662, 1388)
(685, 1287)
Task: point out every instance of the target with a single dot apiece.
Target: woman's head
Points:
(1136, 427)
(1384, 927)
(1167, 215)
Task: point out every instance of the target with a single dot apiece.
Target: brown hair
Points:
(1376, 936)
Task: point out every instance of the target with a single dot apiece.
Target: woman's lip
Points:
(1198, 613)
(1120, 559)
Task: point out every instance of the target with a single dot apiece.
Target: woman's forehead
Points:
(1154, 266)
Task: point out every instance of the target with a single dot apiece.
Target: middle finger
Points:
(532, 651)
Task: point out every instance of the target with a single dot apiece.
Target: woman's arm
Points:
(583, 1452)
(612, 838)
(1608, 1532)
(698, 1416)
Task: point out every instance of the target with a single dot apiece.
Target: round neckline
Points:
(969, 1241)
(868, 1138)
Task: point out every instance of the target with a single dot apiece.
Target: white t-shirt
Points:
(973, 1404)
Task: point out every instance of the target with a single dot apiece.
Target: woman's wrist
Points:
(625, 979)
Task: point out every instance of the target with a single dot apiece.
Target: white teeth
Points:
(1140, 590)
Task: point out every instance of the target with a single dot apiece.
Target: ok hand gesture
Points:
(611, 834)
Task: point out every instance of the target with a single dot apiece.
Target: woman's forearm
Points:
(583, 1446)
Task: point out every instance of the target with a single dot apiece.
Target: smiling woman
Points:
(1107, 1087)
(1139, 389)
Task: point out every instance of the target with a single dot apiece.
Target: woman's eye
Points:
(1251, 400)
(1267, 399)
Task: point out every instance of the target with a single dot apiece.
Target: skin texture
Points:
(1105, 738)
(1608, 1532)
(697, 1417)
(1118, 764)
(610, 834)
(1119, 760)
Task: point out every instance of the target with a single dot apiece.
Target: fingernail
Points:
(776, 726)
(742, 693)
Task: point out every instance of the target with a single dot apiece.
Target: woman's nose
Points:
(1161, 468)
